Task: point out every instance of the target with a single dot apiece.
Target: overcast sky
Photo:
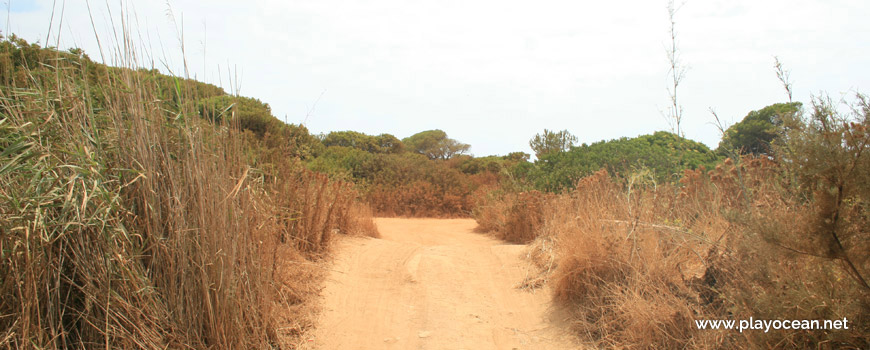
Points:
(489, 73)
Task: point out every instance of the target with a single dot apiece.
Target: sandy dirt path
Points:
(433, 284)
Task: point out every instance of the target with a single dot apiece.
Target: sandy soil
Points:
(433, 284)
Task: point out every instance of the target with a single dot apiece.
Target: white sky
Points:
(489, 73)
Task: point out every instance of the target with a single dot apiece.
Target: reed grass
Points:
(130, 221)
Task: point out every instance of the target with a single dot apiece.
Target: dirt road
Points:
(433, 284)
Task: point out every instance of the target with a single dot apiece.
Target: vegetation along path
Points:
(434, 284)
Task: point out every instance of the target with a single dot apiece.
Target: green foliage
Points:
(758, 129)
(23, 64)
(345, 163)
(471, 165)
(666, 154)
(383, 143)
(378, 164)
(502, 165)
(435, 144)
(550, 141)
(171, 91)
(366, 168)
(388, 143)
(15, 55)
(409, 183)
(254, 116)
(517, 156)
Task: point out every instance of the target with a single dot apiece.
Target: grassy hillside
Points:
(135, 214)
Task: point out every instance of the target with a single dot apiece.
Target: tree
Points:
(383, 143)
(517, 157)
(389, 144)
(451, 147)
(351, 139)
(550, 141)
(758, 129)
(435, 144)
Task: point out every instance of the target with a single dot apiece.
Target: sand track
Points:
(433, 284)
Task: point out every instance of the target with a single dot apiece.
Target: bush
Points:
(513, 217)
(404, 184)
(666, 154)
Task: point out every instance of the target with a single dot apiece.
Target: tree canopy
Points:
(383, 143)
(435, 144)
(758, 129)
(550, 141)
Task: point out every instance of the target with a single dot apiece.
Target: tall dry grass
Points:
(130, 222)
(636, 262)
(512, 216)
(626, 261)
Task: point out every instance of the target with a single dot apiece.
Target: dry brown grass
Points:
(124, 224)
(491, 209)
(513, 217)
(623, 269)
(636, 263)
(419, 199)
(358, 220)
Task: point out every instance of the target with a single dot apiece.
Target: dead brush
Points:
(637, 268)
(313, 208)
(776, 266)
(621, 267)
(543, 256)
(299, 213)
(358, 220)
(524, 217)
(513, 217)
(419, 199)
(491, 209)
